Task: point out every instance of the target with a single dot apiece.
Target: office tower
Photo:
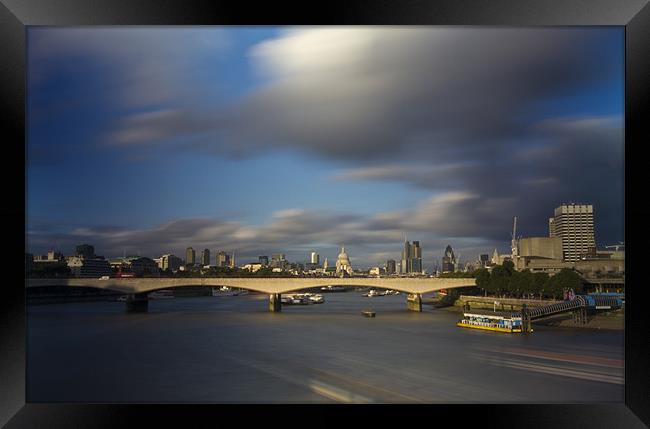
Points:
(406, 255)
(223, 260)
(574, 224)
(449, 260)
(190, 256)
(484, 260)
(411, 258)
(390, 266)
(264, 260)
(278, 261)
(315, 258)
(233, 264)
(416, 258)
(170, 263)
(85, 251)
(205, 257)
(551, 227)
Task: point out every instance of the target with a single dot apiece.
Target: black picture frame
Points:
(16, 15)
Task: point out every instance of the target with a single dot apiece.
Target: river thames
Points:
(231, 349)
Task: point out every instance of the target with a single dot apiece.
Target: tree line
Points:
(505, 281)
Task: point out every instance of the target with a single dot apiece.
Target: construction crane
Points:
(513, 244)
(616, 246)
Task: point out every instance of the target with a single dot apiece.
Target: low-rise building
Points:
(138, 265)
(376, 271)
(82, 267)
(254, 267)
(170, 263)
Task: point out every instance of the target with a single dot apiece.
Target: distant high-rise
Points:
(170, 263)
(551, 227)
(390, 266)
(190, 256)
(416, 258)
(406, 254)
(574, 224)
(264, 260)
(205, 257)
(223, 260)
(411, 258)
(278, 260)
(449, 260)
(85, 251)
(484, 260)
(315, 258)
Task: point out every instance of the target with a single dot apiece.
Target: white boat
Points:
(302, 298)
(316, 299)
(373, 293)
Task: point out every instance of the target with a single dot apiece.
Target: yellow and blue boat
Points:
(491, 322)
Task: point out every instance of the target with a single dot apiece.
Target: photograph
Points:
(239, 214)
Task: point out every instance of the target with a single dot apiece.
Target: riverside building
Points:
(574, 225)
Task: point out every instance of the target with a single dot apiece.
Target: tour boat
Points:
(491, 322)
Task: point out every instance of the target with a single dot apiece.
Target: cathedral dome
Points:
(343, 263)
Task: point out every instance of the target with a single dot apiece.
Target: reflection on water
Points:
(231, 349)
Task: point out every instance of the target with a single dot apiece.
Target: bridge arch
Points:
(273, 286)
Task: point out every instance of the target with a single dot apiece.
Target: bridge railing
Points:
(561, 307)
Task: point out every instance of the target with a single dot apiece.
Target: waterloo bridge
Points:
(137, 289)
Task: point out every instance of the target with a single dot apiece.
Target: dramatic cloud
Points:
(434, 93)
(477, 118)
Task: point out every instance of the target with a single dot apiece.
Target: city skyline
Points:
(261, 140)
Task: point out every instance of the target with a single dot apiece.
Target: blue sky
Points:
(263, 140)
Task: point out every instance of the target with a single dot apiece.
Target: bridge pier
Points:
(414, 301)
(137, 303)
(525, 319)
(580, 316)
(275, 302)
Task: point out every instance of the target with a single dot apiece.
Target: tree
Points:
(482, 276)
(521, 283)
(509, 267)
(564, 280)
(539, 283)
(499, 280)
(567, 279)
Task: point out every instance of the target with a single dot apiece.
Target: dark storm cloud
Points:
(438, 94)
(370, 93)
(575, 160)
